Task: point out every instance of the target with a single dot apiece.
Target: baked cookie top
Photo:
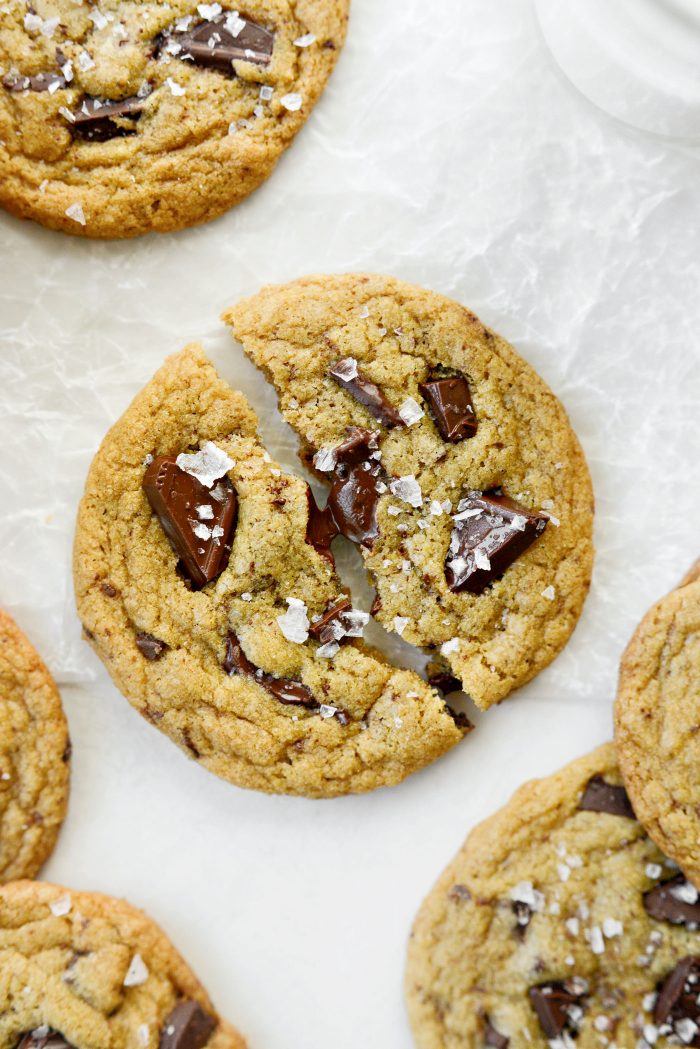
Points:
(83, 971)
(130, 116)
(657, 723)
(34, 757)
(205, 584)
(479, 543)
(559, 923)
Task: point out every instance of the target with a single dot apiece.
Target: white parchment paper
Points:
(447, 151)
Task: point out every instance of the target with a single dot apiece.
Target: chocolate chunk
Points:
(284, 689)
(187, 1026)
(460, 719)
(40, 82)
(558, 1006)
(108, 590)
(522, 913)
(320, 528)
(665, 902)
(99, 120)
(451, 402)
(355, 494)
(151, 647)
(219, 42)
(43, 1038)
(490, 532)
(322, 630)
(445, 683)
(677, 1000)
(198, 521)
(600, 796)
(366, 392)
(493, 1037)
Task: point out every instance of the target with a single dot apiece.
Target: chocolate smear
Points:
(219, 42)
(450, 401)
(558, 1006)
(43, 1038)
(187, 1026)
(98, 120)
(347, 376)
(354, 494)
(15, 82)
(320, 528)
(151, 647)
(493, 1037)
(677, 1010)
(198, 521)
(600, 796)
(675, 901)
(490, 532)
(323, 629)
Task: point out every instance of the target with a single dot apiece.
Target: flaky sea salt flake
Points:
(326, 711)
(61, 906)
(325, 459)
(447, 648)
(208, 465)
(327, 651)
(209, 11)
(292, 101)
(175, 88)
(306, 40)
(407, 489)
(75, 212)
(137, 972)
(411, 411)
(549, 593)
(400, 624)
(294, 624)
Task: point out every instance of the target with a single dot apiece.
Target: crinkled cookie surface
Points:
(657, 723)
(561, 924)
(233, 669)
(124, 116)
(80, 970)
(34, 757)
(498, 604)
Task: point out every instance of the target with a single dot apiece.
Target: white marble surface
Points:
(448, 151)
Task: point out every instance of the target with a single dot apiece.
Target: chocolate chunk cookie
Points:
(560, 923)
(657, 723)
(472, 506)
(34, 757)
(206, 584)
(84, 971)
(127, 117)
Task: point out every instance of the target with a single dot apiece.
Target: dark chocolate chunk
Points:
(451, 402)
(284, 689)
(187, 1026)
(677, 1001)
(490, 532)
(98, 120)
(354, 494)
(665, 902)
(522, 913)
(198, 521)
(366, 392)
(320, 528)
(445, 682)
(558, 1006)
(108, 590)
(323, 629)
(151, 647)
(460, 719)
(219, 42)
(43, 1038)
(600, 796)
(40, 82)
(493, 1037)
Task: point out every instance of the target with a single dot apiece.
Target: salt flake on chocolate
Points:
(407, 489)
(325, 460)
(327, 651)
(208, 465)
(294, 624)
(346, 369)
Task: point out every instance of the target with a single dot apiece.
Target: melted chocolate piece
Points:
(43, 1038)
(445, 682)
(187, 1026)
(451, 402)
(284, 689)
(460, 719)
(366, 392)
(322, 629)
(496, 532)
(174, 496)
(557, 1006)
(493, 1037)
(15, 82)
(353, 498)
(678, 998)
(96, 120)
(151, 647)
(213, 45)
(661, 903)
(320, 528)
(600, 796)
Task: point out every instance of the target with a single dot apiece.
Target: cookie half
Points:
(477, 532)
(133, 117)
(79, 970)
(559, 923)
(34, 757)
(204, 582)
(657, 723)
